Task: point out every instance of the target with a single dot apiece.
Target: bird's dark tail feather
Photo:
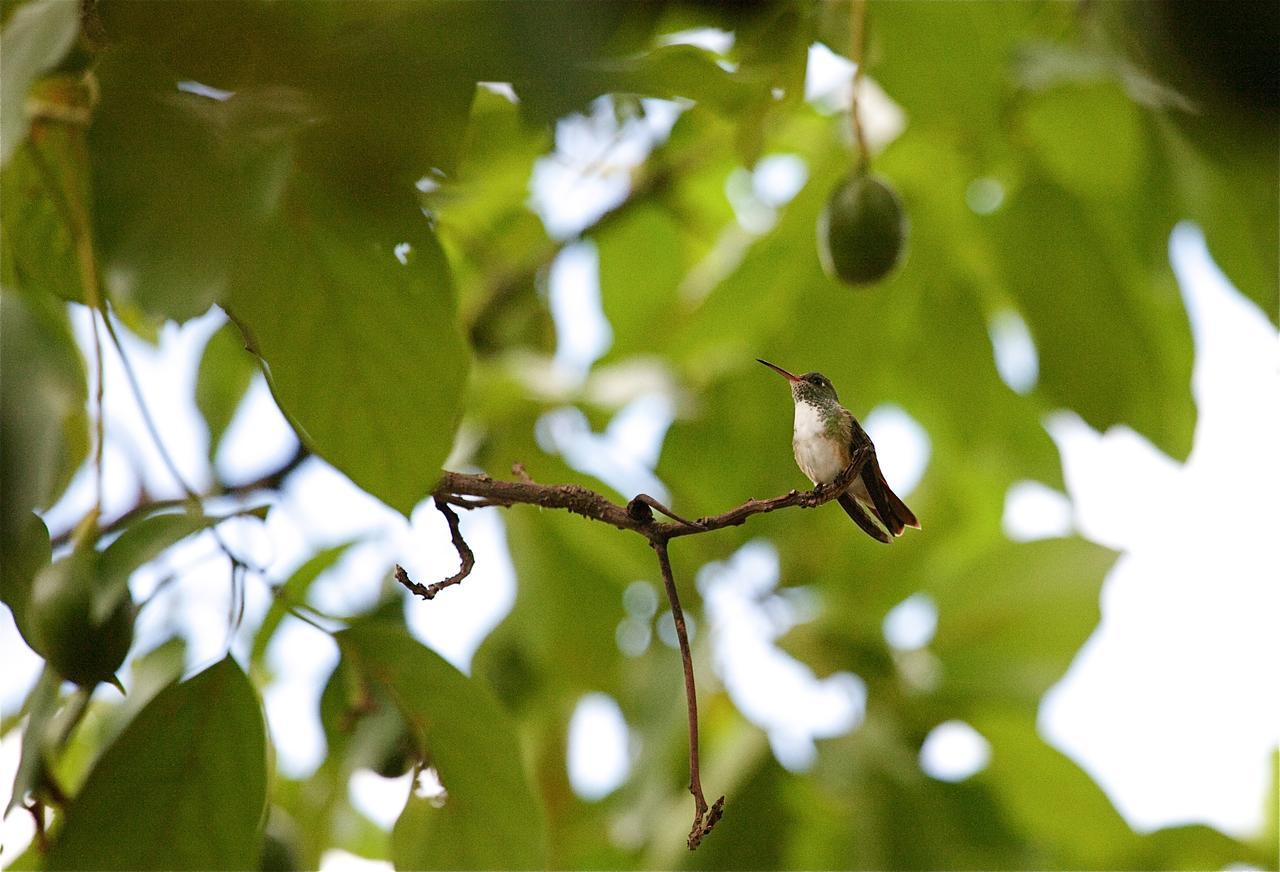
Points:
(859, 515)
(892, 510)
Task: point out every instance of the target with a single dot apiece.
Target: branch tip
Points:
(466, 557)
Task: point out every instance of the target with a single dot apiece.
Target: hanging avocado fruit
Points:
(84, 640)
(862, 231)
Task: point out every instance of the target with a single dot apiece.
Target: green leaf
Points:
(43, 426)
(142, 542)
(569, 600)
(1091, 139)
(682, 71)
(25, 555)
(490, 818)
(641, 268)
(192, 765)
(873, 802)
(1229, 185)
(294, 590)
(361, 351)
(1038, 784)
(38, 737)
(1114, 342)
(35, 39)
(174, 210)
(226, 371)
(1011, 620)
(967, 45)
(39, 187)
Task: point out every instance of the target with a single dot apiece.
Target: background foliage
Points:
(343, 190)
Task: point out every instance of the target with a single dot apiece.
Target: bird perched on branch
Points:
(825, 437)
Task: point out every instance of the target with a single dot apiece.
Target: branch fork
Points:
(477, 491)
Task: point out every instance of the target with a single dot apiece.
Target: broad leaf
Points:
(1011, 620)
(43, 181)
(641, 267)
(489, 818)
(144, 541)
(190, 770)
(294, 590)
(43, 425)
(226, 371)
(38, 737)
(26, 551)
(1114, 345)
(34, 40)
(174, 210)
(360, 349)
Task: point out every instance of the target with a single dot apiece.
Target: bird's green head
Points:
(812, 387)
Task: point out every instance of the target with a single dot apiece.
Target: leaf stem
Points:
(857, 42)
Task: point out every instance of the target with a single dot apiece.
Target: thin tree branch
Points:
(583, 501)
(642, 507)
(472, 491)
(704, 818)
(272, 480)
(465, 555)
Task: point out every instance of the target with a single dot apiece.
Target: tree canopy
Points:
(350, 183)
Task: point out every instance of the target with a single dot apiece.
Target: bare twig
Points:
(471, 491)
(640, 505)
(465, 555)
(704, 818)
(272, 480)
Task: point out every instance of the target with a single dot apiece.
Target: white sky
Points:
(1170, 705)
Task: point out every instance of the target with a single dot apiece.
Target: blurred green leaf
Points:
(641, 268)
(175, 210)
(35, 39)
(43, 424)
(1060, 809)
(682, 71)
(489, 818)
(226, 371)
(1097, 319)
(36, 190)
(1197, 846)
(294, 590)
(569, 601)
(869, 802)
(26, 551)
(144, 541)
(1011, 620)
(38, 737)
(1229, 186)
(361, 350)
(1091, 139)
(968, 45)
(210, 729)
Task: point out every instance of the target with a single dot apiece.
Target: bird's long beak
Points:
(779, 370)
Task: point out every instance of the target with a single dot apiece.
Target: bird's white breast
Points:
(819, 456)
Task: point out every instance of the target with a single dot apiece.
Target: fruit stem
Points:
(857, 40)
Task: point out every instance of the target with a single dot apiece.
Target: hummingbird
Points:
(823, 440)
